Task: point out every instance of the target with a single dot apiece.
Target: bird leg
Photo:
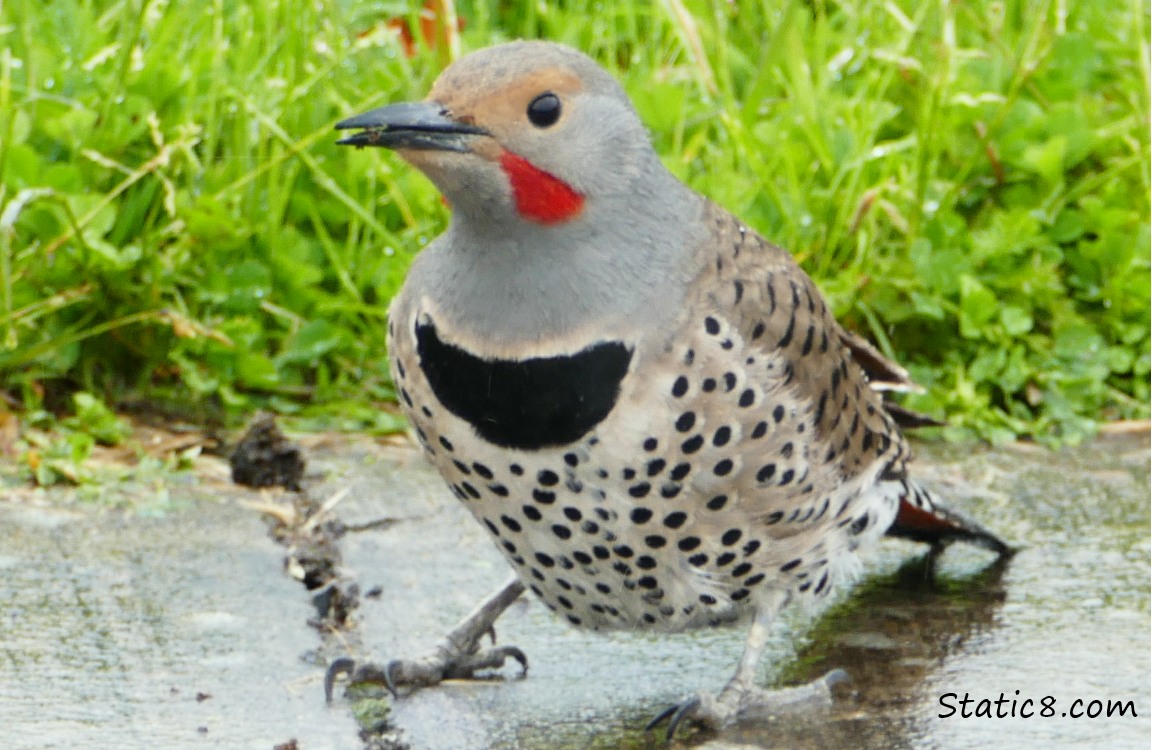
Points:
(458, 656)
(741, 700)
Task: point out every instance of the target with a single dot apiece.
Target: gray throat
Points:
(621, 268)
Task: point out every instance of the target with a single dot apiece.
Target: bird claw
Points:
(444, 664)
(678, 712)
(739, 702)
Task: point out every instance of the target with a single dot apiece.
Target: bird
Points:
(650, 408)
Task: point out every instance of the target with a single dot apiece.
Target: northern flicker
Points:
(650, 408)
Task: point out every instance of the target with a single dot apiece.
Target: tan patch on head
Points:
(497, 102)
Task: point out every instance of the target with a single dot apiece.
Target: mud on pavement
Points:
(303, 522)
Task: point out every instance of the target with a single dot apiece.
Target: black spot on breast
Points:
(655, 541)
(689, 543)
(692, 444)
(641, 515)
(685, 421)
(527, 404)
(531, 513)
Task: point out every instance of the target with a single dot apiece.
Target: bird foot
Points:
(450, 660)
(458, 656)
(739, 702)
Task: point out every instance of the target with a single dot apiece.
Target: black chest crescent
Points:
(528, 404)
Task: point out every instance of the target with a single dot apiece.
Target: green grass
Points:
(968, 182)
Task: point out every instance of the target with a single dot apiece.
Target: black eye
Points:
(544, 110)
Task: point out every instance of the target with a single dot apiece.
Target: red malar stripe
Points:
(539, 196)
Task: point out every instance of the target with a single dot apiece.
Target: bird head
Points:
(525, 132)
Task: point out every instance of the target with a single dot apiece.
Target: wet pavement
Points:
(178, 631)
(113, 623)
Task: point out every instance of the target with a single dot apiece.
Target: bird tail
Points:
(921, 517)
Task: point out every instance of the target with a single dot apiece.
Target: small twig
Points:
(324, 509)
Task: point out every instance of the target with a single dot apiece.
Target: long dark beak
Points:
(417, 125)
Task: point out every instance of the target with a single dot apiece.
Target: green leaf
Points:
(1047, 159)
(314, 339)
(95, 419)
(978, 306)
(1016, 320)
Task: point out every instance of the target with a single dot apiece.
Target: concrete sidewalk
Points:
(183, 631)
(174, 632)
